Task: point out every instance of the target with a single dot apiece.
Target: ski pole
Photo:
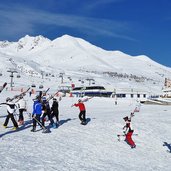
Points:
(39, 123)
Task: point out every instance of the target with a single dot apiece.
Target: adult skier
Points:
(22, 108)
(128, 131)
(37, 111)
(54, 113)
(82, 114)
(11, 107)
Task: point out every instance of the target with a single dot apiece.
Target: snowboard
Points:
(86, 122)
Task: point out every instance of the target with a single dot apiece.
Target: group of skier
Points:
(42, 110)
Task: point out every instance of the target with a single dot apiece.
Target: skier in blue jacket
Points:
(37, 111)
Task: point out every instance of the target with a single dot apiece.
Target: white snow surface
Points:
(93, 147)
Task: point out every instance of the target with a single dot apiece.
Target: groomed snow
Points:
(94, 147)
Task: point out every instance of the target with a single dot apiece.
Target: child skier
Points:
(11, 107)
(128, 131)
(82, 114)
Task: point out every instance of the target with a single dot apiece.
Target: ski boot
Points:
(4, 126)
(14, 128)
(33, 129)
(134, 146)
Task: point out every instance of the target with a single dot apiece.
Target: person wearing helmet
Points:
(54, 113)
(82, 114)
(128, 131)
(11, 107)
(37, 111)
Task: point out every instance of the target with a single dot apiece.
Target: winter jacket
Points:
(11, 107)
(37, 108)
(46, 106)
(22, 104)
(81, 106)
(128, 127)
(54, 107)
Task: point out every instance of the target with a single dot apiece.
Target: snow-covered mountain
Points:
(72, 146)
(78, 58)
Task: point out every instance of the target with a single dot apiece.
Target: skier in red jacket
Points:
(82, 114)
(128, 131)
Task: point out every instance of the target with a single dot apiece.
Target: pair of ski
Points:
(51, 97)
(18, 97)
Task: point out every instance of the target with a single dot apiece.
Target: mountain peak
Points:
(31, 38)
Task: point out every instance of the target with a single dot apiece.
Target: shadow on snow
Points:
(168, 146)
(26, 125)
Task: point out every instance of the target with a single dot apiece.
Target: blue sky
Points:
(135, 27)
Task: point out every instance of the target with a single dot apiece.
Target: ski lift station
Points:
(101, 91)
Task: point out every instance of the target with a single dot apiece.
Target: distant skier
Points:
(128, 131)
(82, 114)
(54, 113)
(11, 107)
(37, 111)
(22, 108)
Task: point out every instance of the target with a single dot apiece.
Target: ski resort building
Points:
(98, 91)
(101, 91)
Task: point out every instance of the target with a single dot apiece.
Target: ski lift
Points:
(18, 76)
(40, 86)
(33, 85)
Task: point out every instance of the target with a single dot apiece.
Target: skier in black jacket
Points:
(54, 112)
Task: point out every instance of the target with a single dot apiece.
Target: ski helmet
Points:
(44, 98)
(125, 118)
(37, 98)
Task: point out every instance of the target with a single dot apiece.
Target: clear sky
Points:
(135, 27)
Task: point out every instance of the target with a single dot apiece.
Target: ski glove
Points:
(33, 115)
